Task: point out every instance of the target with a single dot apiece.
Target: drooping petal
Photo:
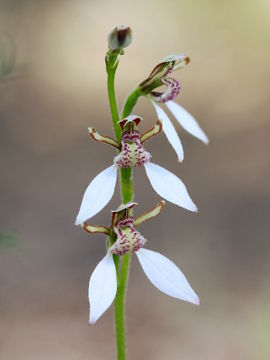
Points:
(102, 287)
(97, 195)
(169, 186)
(170, 132)
(166, 276)
(187, 121)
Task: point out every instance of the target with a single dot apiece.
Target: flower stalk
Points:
(127, 196)
(111, 66)
(131, 102)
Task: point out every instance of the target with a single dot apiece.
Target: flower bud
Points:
(120, 37)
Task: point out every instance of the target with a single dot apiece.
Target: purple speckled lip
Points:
(172, 91)
(132, 152)
(128, 238)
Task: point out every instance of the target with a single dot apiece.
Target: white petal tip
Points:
(191, 298)
(187, 121)
(203, 137)
(181, 158)
(205, 140)
(91, 322)
(192, 207)
(195, 301)
(78, 222)
(93, 319)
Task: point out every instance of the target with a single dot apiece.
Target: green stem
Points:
(112, 100)
(126, 185)
(119, 307)
(127, 195)
(131, 102)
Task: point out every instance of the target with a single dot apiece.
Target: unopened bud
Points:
(120, 37)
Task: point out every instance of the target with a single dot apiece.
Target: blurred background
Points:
(54, 89)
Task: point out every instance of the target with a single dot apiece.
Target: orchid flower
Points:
(124, 238)
(132, 154)
(159, 77)
(108, 282)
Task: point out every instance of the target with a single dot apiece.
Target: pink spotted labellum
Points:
(132, 154)
(159, 77)
(125, 238)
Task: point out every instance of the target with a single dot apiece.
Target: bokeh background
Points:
(55, 91)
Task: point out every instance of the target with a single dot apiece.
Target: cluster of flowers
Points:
(123, 234)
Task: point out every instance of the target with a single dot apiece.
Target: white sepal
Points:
(170, 131)
(102, 287)
(187, 121)
(169, 186)
(97, 195)
(166, 276)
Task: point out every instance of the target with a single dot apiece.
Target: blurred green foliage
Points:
(7, 55)
(8, 240)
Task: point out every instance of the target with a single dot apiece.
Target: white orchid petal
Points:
(98, 194)
(187, 121)
(170, 132)
(166, 276)
(169, 186)
(102, 287)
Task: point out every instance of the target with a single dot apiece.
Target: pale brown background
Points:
(47, 159)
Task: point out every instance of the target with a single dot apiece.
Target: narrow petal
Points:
(179, 61)
(150, 214)
(98, 194)
(169, 186)
(102, 138)
(102, 287)
(95, 229)
(151, 132)
(187, 121)
(166, 276)
(170, 132)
